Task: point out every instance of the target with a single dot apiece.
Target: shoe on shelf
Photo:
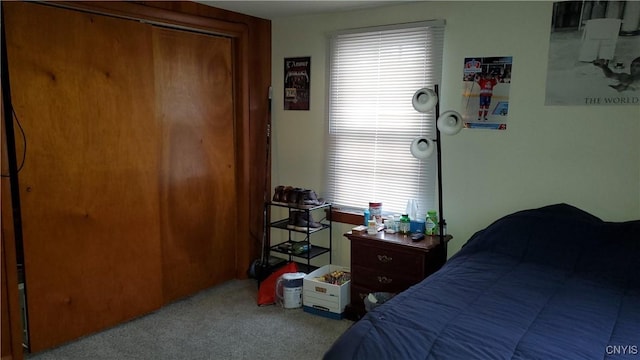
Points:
(303, 221)
(297, 197)
(293, 218)
(278, 193)
(286, 193)
(308, 199)
(294, 196)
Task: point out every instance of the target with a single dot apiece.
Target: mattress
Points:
(569, 289)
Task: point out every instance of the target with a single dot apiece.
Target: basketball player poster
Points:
(486, 92)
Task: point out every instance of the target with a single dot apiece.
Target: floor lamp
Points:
(449, 123)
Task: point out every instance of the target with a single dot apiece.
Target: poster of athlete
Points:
(297, 81)
(486, 92)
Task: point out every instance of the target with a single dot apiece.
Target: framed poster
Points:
(594, 54)
(297, 82)
(487, 81)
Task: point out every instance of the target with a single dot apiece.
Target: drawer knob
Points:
(384, 280)
(384, 258)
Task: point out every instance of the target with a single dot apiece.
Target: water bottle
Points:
(367, 216)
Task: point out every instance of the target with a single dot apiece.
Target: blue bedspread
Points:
(548, 283)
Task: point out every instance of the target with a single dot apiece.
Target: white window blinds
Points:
(373, 75)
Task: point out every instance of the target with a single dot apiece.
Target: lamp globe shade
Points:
(450, 122)
(422, 148)
(424, 100)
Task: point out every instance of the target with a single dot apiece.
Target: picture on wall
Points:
(485, 101)
(594, 53)
(297, 82)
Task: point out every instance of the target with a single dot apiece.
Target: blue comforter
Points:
(548, 283)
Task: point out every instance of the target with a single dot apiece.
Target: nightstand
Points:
(385, 262)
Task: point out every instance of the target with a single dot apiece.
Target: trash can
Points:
(376, 299)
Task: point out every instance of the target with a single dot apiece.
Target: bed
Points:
(547, 283)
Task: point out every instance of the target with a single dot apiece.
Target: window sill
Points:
(346, 216)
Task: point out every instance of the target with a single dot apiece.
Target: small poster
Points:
(486, 92)
(297, 81)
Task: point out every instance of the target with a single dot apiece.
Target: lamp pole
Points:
(439, 160)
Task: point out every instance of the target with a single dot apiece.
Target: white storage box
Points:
(322, 298)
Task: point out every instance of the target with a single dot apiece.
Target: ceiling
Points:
(268, 9)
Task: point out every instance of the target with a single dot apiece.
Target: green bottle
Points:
(431, 227)
(405, 224)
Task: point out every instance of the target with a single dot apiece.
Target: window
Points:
(374, 73)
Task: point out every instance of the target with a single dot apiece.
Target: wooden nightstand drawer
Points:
(388, 260)
(392, 263)
(387, 281)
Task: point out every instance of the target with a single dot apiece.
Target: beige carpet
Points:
(220, 323)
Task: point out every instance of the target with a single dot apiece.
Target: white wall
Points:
(585, 156)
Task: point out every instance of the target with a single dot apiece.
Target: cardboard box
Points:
(322, 298)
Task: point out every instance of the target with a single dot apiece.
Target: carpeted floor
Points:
(220, 323)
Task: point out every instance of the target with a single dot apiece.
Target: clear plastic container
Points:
(375, 208)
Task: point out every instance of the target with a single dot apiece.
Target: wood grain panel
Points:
(83, 89)
(259, 149)
(252, 60)
(251, 56)
(194, 77)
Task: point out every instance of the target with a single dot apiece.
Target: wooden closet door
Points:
(83, 89)
(194, 88)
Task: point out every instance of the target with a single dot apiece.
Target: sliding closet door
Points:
(194, 88)
(83, 90)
